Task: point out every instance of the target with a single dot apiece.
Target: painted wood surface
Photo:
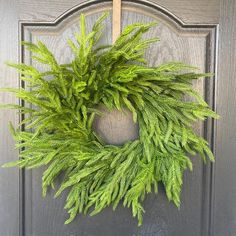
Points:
(188, 32)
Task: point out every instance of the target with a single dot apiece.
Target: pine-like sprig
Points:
(58, 128)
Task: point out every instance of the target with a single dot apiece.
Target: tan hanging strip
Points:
(116, 20)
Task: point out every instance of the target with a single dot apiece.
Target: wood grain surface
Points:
(190, 11)
(208, 197)
(177, 44)
(9, 178)
(224, 212)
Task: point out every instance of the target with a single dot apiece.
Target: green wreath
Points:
(58, 123)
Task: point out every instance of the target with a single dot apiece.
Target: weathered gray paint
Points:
(188, 31)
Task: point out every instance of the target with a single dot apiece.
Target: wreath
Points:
(63, 103)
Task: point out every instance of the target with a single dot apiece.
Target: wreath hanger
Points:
(116, 20)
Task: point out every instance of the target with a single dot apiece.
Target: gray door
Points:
(198, 32)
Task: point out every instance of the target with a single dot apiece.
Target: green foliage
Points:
(58, 125)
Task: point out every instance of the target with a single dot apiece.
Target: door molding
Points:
(210, 31)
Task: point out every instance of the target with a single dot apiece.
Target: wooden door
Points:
(198, 32)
